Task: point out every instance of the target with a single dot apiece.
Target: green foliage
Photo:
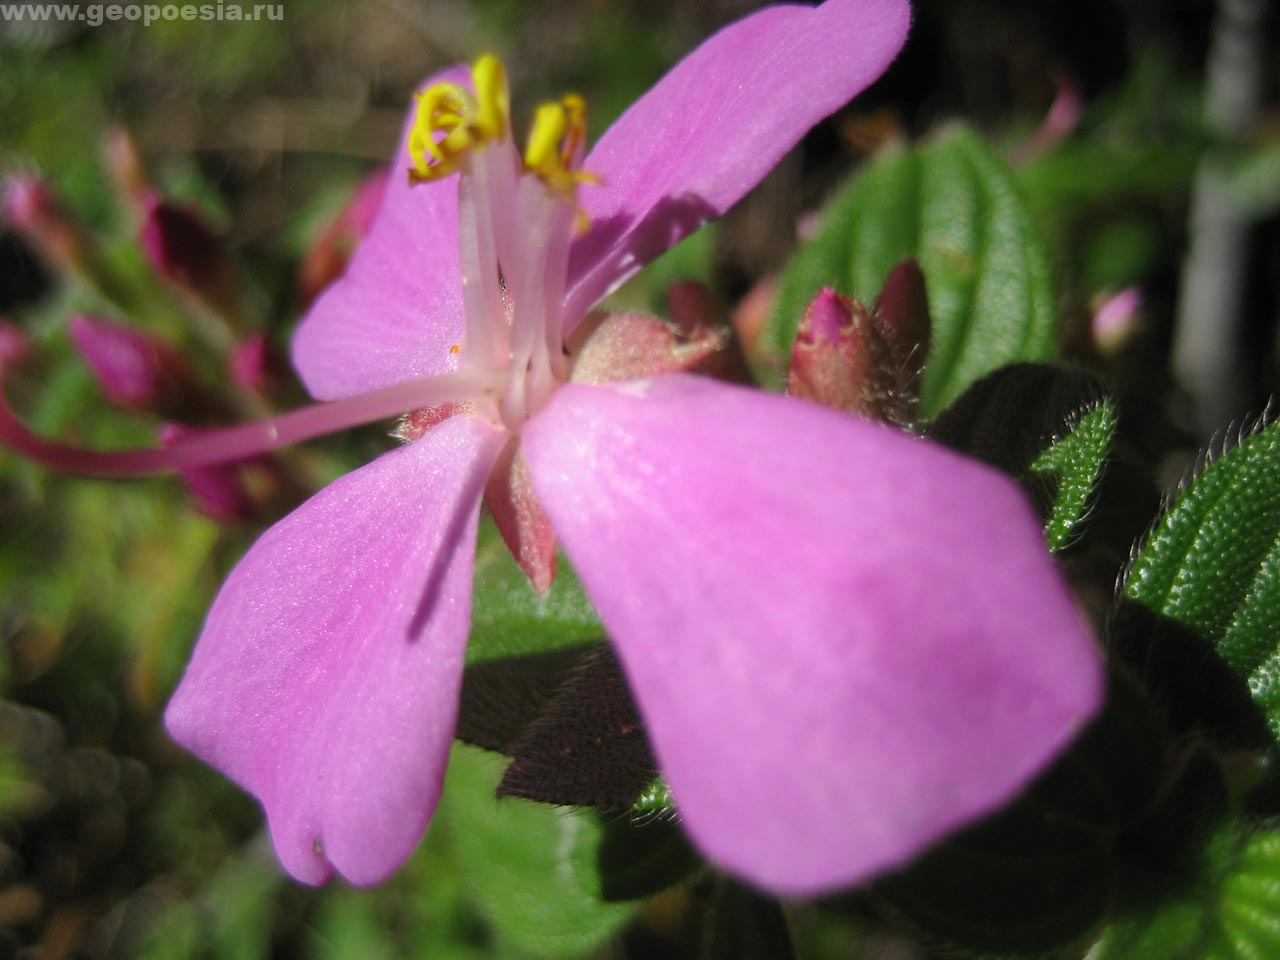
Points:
(1075, 462)
(1050, 429)
(509, 618)
(953, 206)
(1212, 563)
(1230, 912)
(530, 866)
(745, 925)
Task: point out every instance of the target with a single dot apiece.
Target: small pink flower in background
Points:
(826, 623)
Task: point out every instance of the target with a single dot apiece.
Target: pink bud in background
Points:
(123, 159)
(135, 369)
(180, 245)
(217, 491)
(1116, 317)
(14, 345)
(254, 365)
(1059, 122)
(32, 209)
(327, 257)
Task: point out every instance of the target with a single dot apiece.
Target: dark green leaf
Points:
(1051, 429)
(952, 205)
(587, 746)
(745, 925)
(643, 856)
(1211, 565)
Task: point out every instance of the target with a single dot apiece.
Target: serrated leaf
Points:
(953, 206)
(1230, 912)
(531, 867)
(1075, 462)
(1051, 429)
(509, 618)
(1211, 565)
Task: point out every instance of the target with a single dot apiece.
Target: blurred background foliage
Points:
(113, 843)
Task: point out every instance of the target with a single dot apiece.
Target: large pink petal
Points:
(845, 642)
(396, 311)
(326, 679)
(717, 123)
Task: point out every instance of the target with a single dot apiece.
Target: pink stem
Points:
(247, 440)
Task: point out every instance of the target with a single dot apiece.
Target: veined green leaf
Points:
(530, 866)
(1212, 564)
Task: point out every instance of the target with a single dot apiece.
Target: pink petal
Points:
(845, 642)
(717, 123)
(326, 679)
(396, 311)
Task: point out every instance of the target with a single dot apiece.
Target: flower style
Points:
(844, 641)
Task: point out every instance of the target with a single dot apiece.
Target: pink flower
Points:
(845, 642)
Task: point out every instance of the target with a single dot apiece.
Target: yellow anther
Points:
(492, 99)
(542, 155)
(555, 140)
(451, 121)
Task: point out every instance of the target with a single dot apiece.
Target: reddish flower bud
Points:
(254, 365)
(327, 257)
(14, 345)
(180, 245)
(32, 209)
(217, 491)
(124, 161)
(135, 369)
(838, 359)
(901, 319)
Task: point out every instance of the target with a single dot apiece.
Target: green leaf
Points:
(508, 617)
(1075, 461)
(1051, 429)
(1230, 912)
(1211, 565)
(953, 206)
(531, 867)
(643, 856)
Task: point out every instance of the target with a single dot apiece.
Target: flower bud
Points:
(14, 345)
(135, 369)
(123, 159)
(1115, 319)
(217, 491)
(254, 365)
(327, 257)
(838, 359)
(32, 209)
(182, 247)
(901, 319)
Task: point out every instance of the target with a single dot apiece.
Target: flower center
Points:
(516, 218)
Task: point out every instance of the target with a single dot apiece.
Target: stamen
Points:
(451, 122)
(247, 440)
(556, 143)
